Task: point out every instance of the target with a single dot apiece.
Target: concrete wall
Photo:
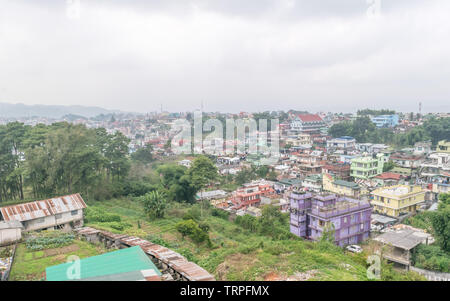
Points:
(9, 236)
(52, 221)
(431, 275)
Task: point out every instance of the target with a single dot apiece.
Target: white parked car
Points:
(354, 249)
(376, 227)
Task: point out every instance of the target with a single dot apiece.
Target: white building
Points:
(344, 143)
(10, 232)
(56, 213)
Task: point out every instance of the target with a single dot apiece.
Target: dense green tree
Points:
(58, 159)
(441, 222)
(340, 129)
(143, 155)
(202, 172)
(177, 183)
(388, 166)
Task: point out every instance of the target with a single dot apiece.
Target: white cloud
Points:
(258, 58)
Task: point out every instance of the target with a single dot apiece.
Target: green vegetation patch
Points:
(31, 265)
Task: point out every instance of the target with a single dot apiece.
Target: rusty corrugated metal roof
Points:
(37, 209)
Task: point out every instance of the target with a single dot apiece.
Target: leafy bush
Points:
(220, 213)
(159, 241)
(188, 255)
(192, 229)
(49, 240)
(431, 257)
(120, 226)
(99, 216)
(193, 213)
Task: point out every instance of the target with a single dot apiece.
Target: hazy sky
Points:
(235, 55)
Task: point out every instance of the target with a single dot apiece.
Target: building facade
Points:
(397, 200)
(341, 187)
(60, 212)
(385, 121)
(367, 167)
(443, 146)
(343, 143)
(307, 123)
(337, 170)
(312, 215)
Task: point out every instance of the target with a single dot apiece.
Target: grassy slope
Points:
(241, 255)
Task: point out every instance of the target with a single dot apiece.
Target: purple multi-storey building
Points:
(312, 214)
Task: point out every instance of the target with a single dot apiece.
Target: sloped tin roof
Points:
(38, 209)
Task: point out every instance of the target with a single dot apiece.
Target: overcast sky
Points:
(234, 55)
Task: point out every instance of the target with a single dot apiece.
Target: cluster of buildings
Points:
(136, 259)
(340, 184)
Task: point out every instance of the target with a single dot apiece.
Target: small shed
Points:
(10, 232)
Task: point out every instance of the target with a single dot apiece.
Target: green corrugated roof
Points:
(346, 184)
(116, 262)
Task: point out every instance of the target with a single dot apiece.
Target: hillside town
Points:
(328, 184)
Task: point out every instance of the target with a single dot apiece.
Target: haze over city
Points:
(230, 55)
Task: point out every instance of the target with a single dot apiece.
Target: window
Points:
(40, 220)
(74, 212)
(58, 216)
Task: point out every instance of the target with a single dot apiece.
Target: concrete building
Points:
(385, 121)
(339, 171)
(211, 195)
(367, 167)
(341, 187)
(397, 200)
(443, 146)
(342, 143)
(398, 244)
(435, 167)
(10, 232)
(311, 215)
(250, 195)
(312, 183)
(302, 139)
(185, 163)
(307, 123)
(390, 179)
(407, 160)
(422, 148)
(56, 213)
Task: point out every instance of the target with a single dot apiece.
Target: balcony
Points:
(339, 209)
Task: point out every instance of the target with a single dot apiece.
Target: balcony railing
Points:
(330, 212)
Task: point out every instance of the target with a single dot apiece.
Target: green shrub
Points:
(49, 240)
(220, 213)
(99, 216)
(431, 257)
(120, 226)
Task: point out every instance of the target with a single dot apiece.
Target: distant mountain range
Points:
(19, 110)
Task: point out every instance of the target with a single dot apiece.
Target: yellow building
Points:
(341, 187)
(394, 200)
(443, 146)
